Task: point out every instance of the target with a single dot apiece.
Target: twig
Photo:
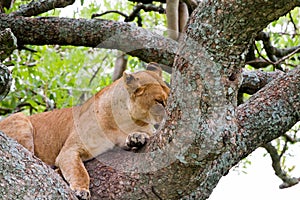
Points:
(294, 24)
(287, 181)
(277, 62)
(288, 56)
(108, 12)
(5, 81)
(290, 139)
(96, 72)
(48, 103)
(284, 33)
(265, 59)
(284, 149)
(258, 63)
(135, 13)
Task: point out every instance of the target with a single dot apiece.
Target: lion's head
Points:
(148, 95)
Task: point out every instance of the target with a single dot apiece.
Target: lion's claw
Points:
(137, 139)
(82, 194)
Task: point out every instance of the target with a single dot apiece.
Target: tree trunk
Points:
(206, 133)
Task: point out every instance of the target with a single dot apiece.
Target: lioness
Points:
(121, 114)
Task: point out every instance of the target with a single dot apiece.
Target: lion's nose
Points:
(156, 126)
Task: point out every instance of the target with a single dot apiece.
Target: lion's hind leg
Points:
(19, 127)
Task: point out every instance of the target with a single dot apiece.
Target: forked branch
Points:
(276, 164)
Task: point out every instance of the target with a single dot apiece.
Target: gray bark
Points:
(8, 43)
(23, 176)
(98, 33)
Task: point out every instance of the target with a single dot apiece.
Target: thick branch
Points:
(99, 33)
(25, 177)
(271, 111)
(118, 179)
(255, 80)
(203, 138)
(41, 6)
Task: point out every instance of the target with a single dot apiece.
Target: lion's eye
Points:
(160, 101)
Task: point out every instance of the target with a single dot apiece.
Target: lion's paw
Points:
(137, 139)
(82, 194)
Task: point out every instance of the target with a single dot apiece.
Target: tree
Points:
(206, 133)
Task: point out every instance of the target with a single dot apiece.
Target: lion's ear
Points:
(155, 68)
(132, 83)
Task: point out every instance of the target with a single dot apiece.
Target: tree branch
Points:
(8, 43)
(270, 49)
(113, 174)
(290, 139)
(287, 181)
(40, 6)
(135, 13)
(264, 14)
(135, 41)
(83, 40)
(255, 80)
(26, 177)
(120, 66)
(276, 55)
(251, 59)
(274, 109)
(5, 4)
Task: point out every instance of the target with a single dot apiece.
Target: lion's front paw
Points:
(137, 139)
(82, 194)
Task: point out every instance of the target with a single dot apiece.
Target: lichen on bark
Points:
(23, 176)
